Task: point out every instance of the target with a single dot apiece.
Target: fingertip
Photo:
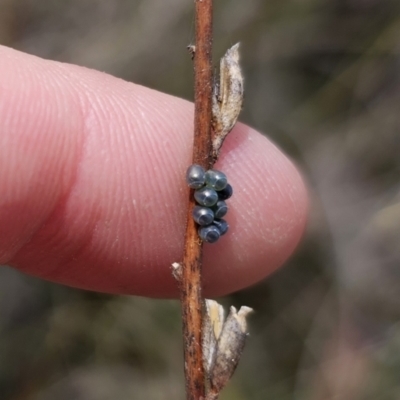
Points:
(100, 185)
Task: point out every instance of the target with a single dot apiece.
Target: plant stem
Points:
(191, 282)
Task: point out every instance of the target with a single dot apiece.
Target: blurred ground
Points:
(323, 80)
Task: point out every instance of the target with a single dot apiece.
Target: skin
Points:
(93, 193)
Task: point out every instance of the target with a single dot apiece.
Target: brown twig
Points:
(190, 282)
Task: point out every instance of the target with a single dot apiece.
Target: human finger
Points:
(93, 193)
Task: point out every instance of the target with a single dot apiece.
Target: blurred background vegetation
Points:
(323, 81)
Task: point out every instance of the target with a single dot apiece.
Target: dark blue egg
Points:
(209, 234)
(225, 193)
(206, 196)
(220, 209)
(195, 176)
(203, 215)
(216, 179)
(222, 226)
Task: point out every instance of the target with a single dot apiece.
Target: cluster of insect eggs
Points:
(211, 190)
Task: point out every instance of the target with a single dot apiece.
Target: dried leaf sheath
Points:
(223, 343)
(213, 322)
(227, 98)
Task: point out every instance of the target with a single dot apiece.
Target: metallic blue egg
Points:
(225, 193)
(222, 226)
(206, 196)
(203, 215)
(195, 176)
(209, 234)
(216, 179)
(220, 209)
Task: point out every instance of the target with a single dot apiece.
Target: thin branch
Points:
(190, 282)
